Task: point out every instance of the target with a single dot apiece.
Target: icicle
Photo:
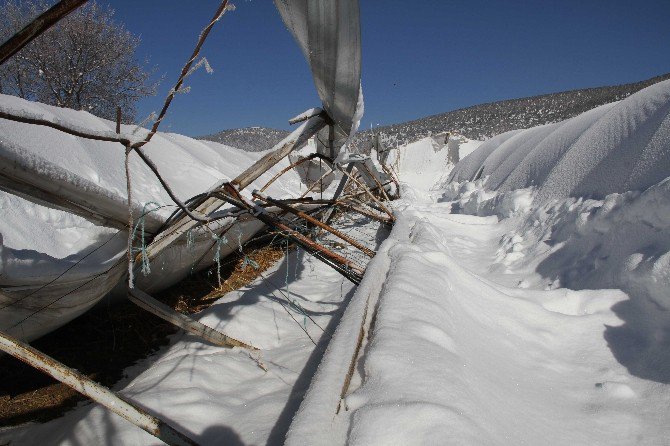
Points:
(190, 239)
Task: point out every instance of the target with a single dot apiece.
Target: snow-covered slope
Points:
(613, 148)
(512, 309)
(487, 120)
(250, 139)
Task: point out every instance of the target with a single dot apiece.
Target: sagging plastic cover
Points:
(329, 34)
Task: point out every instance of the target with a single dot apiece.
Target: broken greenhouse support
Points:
(294, 141)
(315, 222)
(344, 266)
(148, 303)
(93, 390)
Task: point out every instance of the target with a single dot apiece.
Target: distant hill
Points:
(251, 139)
(477, 122)
(486, 120)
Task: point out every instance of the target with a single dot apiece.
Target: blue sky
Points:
(420, 57)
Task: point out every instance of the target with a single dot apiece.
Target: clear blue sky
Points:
(420, 57)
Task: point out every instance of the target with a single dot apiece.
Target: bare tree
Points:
(85, 62)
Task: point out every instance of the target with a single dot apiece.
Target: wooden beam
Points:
(38, 26)
(93, 390)
(292, 142)
(148, 303)
(315, 222)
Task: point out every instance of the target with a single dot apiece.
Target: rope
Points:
(146, 267)
(247, 260)
(131, 263)
(217, 255)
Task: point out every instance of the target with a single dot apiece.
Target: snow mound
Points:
(525, 302)
(613, 148)
(189, 166)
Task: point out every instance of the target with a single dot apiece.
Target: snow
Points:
(614, 148)
(42, 243)
(218, 395)
(524, 302)
(462, 356)
(189, 166)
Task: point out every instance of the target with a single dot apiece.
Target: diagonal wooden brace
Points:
(292, 142)
(315, 222)
(148, 303)
(93, 390)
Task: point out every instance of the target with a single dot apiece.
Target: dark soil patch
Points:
(103, 342)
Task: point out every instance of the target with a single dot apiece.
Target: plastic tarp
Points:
(329, 35)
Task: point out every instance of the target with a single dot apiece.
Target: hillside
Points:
(476, 122)
(486, 120)
(251, 139)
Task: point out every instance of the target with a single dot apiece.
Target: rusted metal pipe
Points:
(315, 222)
(346, 267)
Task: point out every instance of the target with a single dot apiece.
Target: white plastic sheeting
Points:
(329, 35)
(613, 148)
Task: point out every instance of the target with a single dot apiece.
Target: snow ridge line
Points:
(317, 421)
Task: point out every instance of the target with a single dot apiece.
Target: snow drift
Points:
(522, 301)
(614, 148)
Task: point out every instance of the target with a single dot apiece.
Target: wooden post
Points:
(148, 303)
(35, 28)
(118, 120)
(93, 390)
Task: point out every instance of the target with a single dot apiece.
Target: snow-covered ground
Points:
(511, 309)
(527, 302)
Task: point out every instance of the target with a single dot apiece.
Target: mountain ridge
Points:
(480, 121)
